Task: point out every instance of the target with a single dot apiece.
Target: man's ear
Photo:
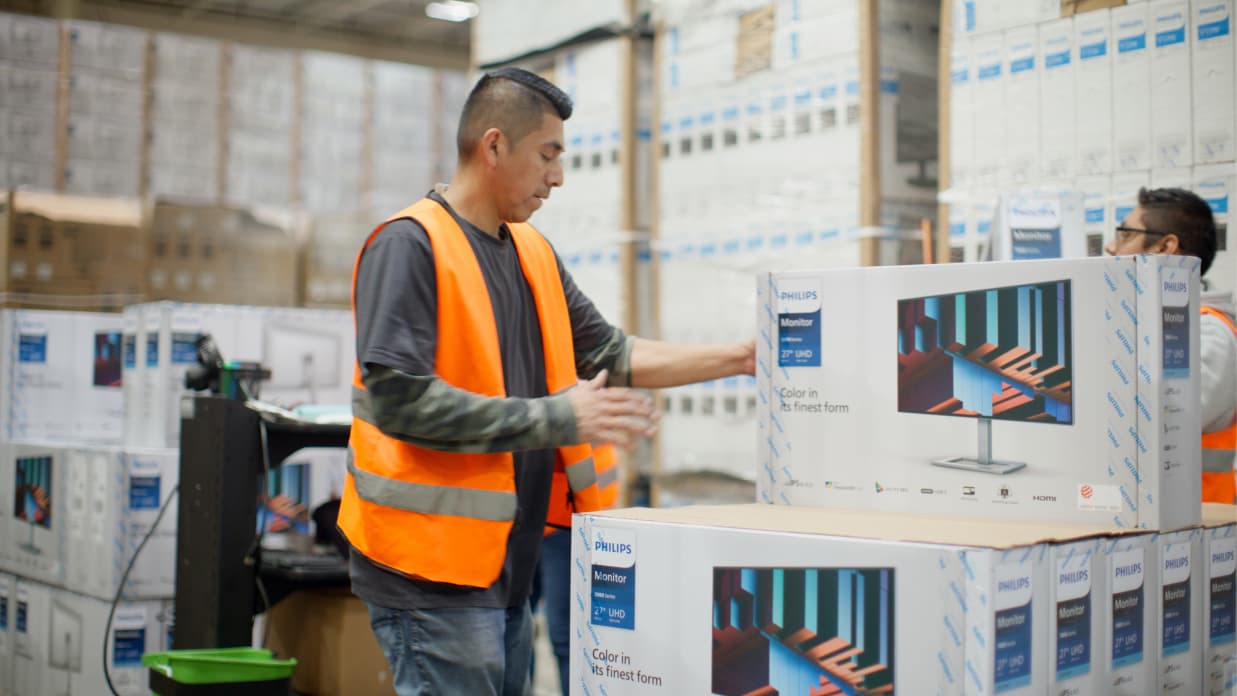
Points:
(492, 141)
(1168, 244)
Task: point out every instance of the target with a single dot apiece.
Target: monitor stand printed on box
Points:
(1060, 389)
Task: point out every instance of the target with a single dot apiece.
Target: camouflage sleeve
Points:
(427, 412)
(613, 354)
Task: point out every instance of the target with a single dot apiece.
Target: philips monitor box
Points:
(77, 634)
(1043, 224)
(1060, 389)
(1128, 660)
(1220, 603)
(1211, 51)
(1171, 132)
(742, 599)
(33, 482)
(1131, 89)
(61, 376)
(1093, 92)
(1057, 119)
(31, 606)
(1180, 608)
(1076, 618)
(6, 633)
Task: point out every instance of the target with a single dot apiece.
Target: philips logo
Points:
(799, 295)
(1176, 563)
(611, 547)
(1223, 557)
(1174, 17)
(1093, 32)
(1213, 9)
(1073, 577)
(1132, 570)
(1176, 286)
(1130, 25)
(1013, 585)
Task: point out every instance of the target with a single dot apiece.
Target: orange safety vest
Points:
(445, 516)
(1220, 486)
(562, 504)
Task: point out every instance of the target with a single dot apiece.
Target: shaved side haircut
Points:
(513, 101)
(1185, 214)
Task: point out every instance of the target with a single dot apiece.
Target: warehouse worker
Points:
(470, 340)
(1175, 221)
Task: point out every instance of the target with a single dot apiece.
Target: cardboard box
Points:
(1043, 224)
(328, 633)
(1217, 184)
(1131, 88)
(74, 252)
(1057, 115)
(1211, 51)
(1077, 617)
(1093, 85)
(1023, 64)
(27, 132)
(209, 254)
(1075, 416)
(34, 483)
(7, 587)
(1131, 584)
(29, 39)
(1171, 114)
(807, 598)
(1219, 605)
(1180, 607)
(62, 377)
(329, 256)
(31, 606)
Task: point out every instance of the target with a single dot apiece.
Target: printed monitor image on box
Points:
(33, 500)
(993, 354)
(1055, 389)
(846, 643)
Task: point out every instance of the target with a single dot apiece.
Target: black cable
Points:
(120, 587)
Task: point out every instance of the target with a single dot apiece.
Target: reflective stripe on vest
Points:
(446, 516)
(562, 506)
(1220, 448)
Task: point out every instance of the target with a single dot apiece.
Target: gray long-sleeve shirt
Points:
(397, 309)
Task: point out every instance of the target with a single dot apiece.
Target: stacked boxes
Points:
(914, 603)
(29, 82)
(1179, 606)
(333, 110)
(1141, 94)
(106, 97)
(403, 136)
(1219, 609)
(184, 118)
(261, 103)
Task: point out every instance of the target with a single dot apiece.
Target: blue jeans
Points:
(440, 652)
(554, 572)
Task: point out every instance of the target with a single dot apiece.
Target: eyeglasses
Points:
(1124, 232)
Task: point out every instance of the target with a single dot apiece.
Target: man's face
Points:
(527, 170)
(1132, 236)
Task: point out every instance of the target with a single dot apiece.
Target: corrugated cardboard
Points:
(328, 633)
(73, 252)
(1073, 7)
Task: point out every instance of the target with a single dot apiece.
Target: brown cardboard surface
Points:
(882, 526)
(328, 633)
(1219, 514)
(1073, 7)
(73, 252)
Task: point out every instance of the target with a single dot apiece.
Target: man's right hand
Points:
(611, 414)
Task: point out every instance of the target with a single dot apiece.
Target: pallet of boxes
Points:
(971, 480)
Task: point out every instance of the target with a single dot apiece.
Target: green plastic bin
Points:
(221, 666)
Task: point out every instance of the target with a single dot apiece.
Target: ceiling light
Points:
(452, 10)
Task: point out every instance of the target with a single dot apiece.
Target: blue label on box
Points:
(4, 613)
(32, 348)
(1094, 215)
(987, 72)
(129, 351)
(1022, 65)
(1132, 43)
(1213, 30)
(1176, 342)
(152, 351)
(614, 597)
(1035, 244)
(184, 348)
(798, 337)
(1012, 668)
(1170, 37)
(128, 645)
(21, 617)
(1122, 211)
(1127, 627)
(1074, 637)
(1176, 618)
(1056, 60)
(1223, 610)
(144, 493)
(1095, 50)
(1219, 204)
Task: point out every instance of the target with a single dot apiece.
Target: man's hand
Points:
(611, 414)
